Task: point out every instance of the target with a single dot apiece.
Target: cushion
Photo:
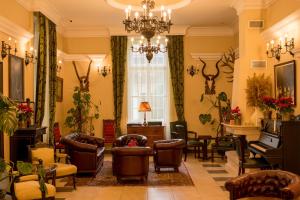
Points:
(132, 143)
(31, 190)
(29, 178)
(260, 198)
(194, 143)
(44, 153)
(65, 169)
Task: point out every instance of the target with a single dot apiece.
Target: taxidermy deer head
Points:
(228, 60)
(83, 80)
(210, 87)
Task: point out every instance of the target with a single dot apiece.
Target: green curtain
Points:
(176, 63)
(41, 68)
(52, 78)
(119, 55)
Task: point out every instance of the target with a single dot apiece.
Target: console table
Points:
(21, 139)
(152, 133)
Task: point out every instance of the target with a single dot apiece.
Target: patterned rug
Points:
(165, 178)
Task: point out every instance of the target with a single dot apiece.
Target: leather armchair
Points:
(86, 152)
(125, 139)
(130, 162)
(266, 183)
(168, 153)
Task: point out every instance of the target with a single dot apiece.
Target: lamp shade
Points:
(144, 107)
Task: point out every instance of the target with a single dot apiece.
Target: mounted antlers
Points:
(228, 60)
(83, 80)
(210, 78)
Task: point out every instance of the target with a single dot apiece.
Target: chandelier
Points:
(148, 25)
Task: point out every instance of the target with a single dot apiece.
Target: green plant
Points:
(81, 113)
(258, 86)
(219, 102)
(8, 115)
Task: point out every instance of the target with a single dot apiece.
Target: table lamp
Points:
(144, 107)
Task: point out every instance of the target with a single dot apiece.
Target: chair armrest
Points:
(131, 151)
(292, 191)
(169, 144)
(78, 146)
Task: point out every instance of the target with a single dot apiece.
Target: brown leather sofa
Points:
(275, 184)
(168, 153)
(86, 152)
(125, 139)
(131, 162)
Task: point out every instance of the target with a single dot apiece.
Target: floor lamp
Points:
(144, 107)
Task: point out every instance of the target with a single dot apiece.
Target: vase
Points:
(267, 114)
(28, 122)
(231, 122)
(22, 124)
(286, 116)
(238, 121)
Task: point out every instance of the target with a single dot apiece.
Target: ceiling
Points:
(101, 13)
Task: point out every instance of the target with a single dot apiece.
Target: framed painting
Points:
(59, 89)
(16, 77)
(1, 77)
(285, 80)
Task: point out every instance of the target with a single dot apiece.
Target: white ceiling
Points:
(98, 13)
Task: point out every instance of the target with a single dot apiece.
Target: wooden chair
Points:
(221, 145)
(47, 154)
(179, 131)
(57, 138)
(243, 154)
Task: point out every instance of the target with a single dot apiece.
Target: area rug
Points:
(166, 178)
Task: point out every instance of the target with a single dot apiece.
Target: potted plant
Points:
(82, 112)
(8, 115)
(236, 115)
(258, 86)
(266, 106)
(24, 115)
(284, 107)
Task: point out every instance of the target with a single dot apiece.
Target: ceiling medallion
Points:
(148, 25)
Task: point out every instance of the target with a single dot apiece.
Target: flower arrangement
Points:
(268, 103)
(24, 112)
(236, 113)
(284, 105)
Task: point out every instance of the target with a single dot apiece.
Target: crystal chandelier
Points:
(148, 25)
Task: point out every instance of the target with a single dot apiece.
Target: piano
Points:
(279, 144)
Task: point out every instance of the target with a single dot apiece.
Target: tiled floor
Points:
(208, 179)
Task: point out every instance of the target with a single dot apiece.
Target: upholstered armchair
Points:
(168, 153)
(266, 183)
(86, 152)
(131, 162)
(125, 139)
(47, 155)
(27, 187)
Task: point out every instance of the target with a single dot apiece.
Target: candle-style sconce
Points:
(104, 71)
(283, 46)
(192, 70)
(58, 66)
(29, 57)
(5, 49)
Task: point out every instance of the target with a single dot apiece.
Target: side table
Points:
(205, 139)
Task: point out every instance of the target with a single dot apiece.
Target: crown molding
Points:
(207, 56)
(85, 32)
(45, 7)
(175, 30)
(241, 5)
(14, 30)
(210, 31)
(290, 25)
(79, 57)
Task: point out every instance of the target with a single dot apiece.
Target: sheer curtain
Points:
(148, 82)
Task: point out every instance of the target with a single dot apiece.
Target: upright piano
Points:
(279, 144)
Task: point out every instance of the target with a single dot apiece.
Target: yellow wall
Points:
(93, 45)
(194, 86)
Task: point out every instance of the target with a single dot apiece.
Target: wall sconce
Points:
(5, 49)
(104, 71)
(275, 50)
(192, 70)
(58, 66)
(29, 57)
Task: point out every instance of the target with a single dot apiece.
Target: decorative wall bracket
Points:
(275, 50)
(104, 71)
(5, 49)
(192, 70)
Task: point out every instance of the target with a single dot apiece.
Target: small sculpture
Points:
(83, 80)
(210, 87)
